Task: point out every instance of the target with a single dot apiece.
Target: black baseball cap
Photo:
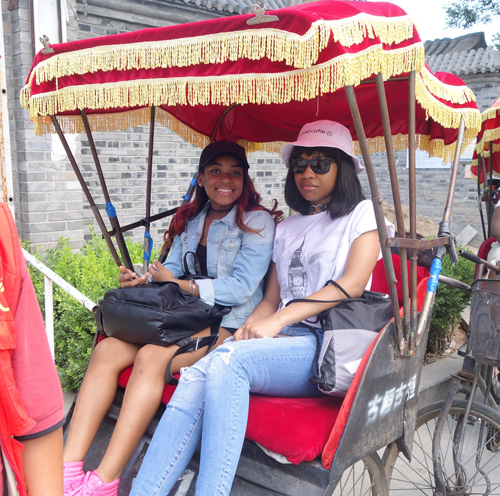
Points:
(223, 147)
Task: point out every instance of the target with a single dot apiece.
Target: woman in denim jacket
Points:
(232, 236)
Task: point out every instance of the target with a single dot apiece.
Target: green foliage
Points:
(92, 271)
(496, 41)
(449, 304)
(467, 13)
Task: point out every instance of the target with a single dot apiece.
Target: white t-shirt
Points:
(312, 249)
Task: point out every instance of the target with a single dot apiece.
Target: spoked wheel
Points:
(479, 470)
(495, 385)
(364, 478)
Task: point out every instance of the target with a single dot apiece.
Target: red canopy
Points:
(488, 136)
(280, 75)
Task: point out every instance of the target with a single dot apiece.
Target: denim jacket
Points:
(237, 260)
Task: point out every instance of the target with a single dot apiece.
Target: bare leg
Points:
(42, 462)
(141, 401)
(96, 395)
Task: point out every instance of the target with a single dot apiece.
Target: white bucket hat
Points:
(323, 133)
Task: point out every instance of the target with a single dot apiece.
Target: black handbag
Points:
(348, 330)
(159, 313)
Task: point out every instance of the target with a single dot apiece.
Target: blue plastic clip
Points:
(436, 268)
(186, 197)
(110, 210)
(146, 255)
(194, 180)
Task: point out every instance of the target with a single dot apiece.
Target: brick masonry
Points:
(48, 200)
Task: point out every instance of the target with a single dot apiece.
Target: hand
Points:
(264, 328)
(127, 278)
(159, 272)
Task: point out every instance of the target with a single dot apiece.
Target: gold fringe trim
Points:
(277, 45)
(124, 120)
(356, 29)
(491, 113)
(441, 113)
(482, 147)
(453, 94)
(299, 85)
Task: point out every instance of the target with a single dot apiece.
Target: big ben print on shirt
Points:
(297, 277)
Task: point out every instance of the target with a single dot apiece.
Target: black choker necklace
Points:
(322, 208)
(222, 210)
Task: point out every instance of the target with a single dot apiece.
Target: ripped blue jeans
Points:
(211, 404)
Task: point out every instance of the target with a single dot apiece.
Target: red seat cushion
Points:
(379, 281)
(483, 251)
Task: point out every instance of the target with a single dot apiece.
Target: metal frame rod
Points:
(490, 199)
(142, 222)
(113, 219)
(147, 236)
(479, 195)
(86, 191)
(220, 119)
(379, 212)
(391, 162)
(430, 295)
(454, 171)
(485, 182)
(412, 185)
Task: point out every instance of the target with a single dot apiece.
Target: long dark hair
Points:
(347, 192)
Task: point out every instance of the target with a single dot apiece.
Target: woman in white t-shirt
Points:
(333, 236)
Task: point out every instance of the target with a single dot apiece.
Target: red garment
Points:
(26, 408)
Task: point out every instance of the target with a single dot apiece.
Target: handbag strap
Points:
(342, 300)
(196, 263)
(192, 344)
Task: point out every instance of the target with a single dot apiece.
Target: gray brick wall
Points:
(49, 202)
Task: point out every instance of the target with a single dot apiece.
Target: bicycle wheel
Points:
(481, 464)
(495, 385)
(364, 478)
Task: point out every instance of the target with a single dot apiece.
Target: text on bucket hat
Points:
(223, 147)
(323, 134)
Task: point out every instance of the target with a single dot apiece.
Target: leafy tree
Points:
(467, 13)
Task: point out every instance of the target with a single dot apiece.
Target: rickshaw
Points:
(257, 79)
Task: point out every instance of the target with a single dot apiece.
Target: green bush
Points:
(449, 304)
(92, 271)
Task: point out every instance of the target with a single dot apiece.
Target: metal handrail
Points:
(49, 277)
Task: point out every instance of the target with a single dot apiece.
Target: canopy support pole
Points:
(379, 212)
(490, 190)
(148, 241)
(110, 209)
(219, 121)
(412, 184)
(480, 166)
(86, 191)
(391, 161)
(444, 231)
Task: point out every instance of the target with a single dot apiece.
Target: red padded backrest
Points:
(379, 280)
(484, 249)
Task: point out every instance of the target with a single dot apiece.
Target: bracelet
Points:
(193, 285)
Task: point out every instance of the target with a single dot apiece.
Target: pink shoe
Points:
(73, 478)
(94, 486)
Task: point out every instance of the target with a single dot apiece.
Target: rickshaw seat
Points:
(286, 425)
(483, 252)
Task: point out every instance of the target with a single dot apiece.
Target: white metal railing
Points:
(49, 277)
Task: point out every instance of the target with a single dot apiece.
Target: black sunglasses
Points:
(318, 166)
